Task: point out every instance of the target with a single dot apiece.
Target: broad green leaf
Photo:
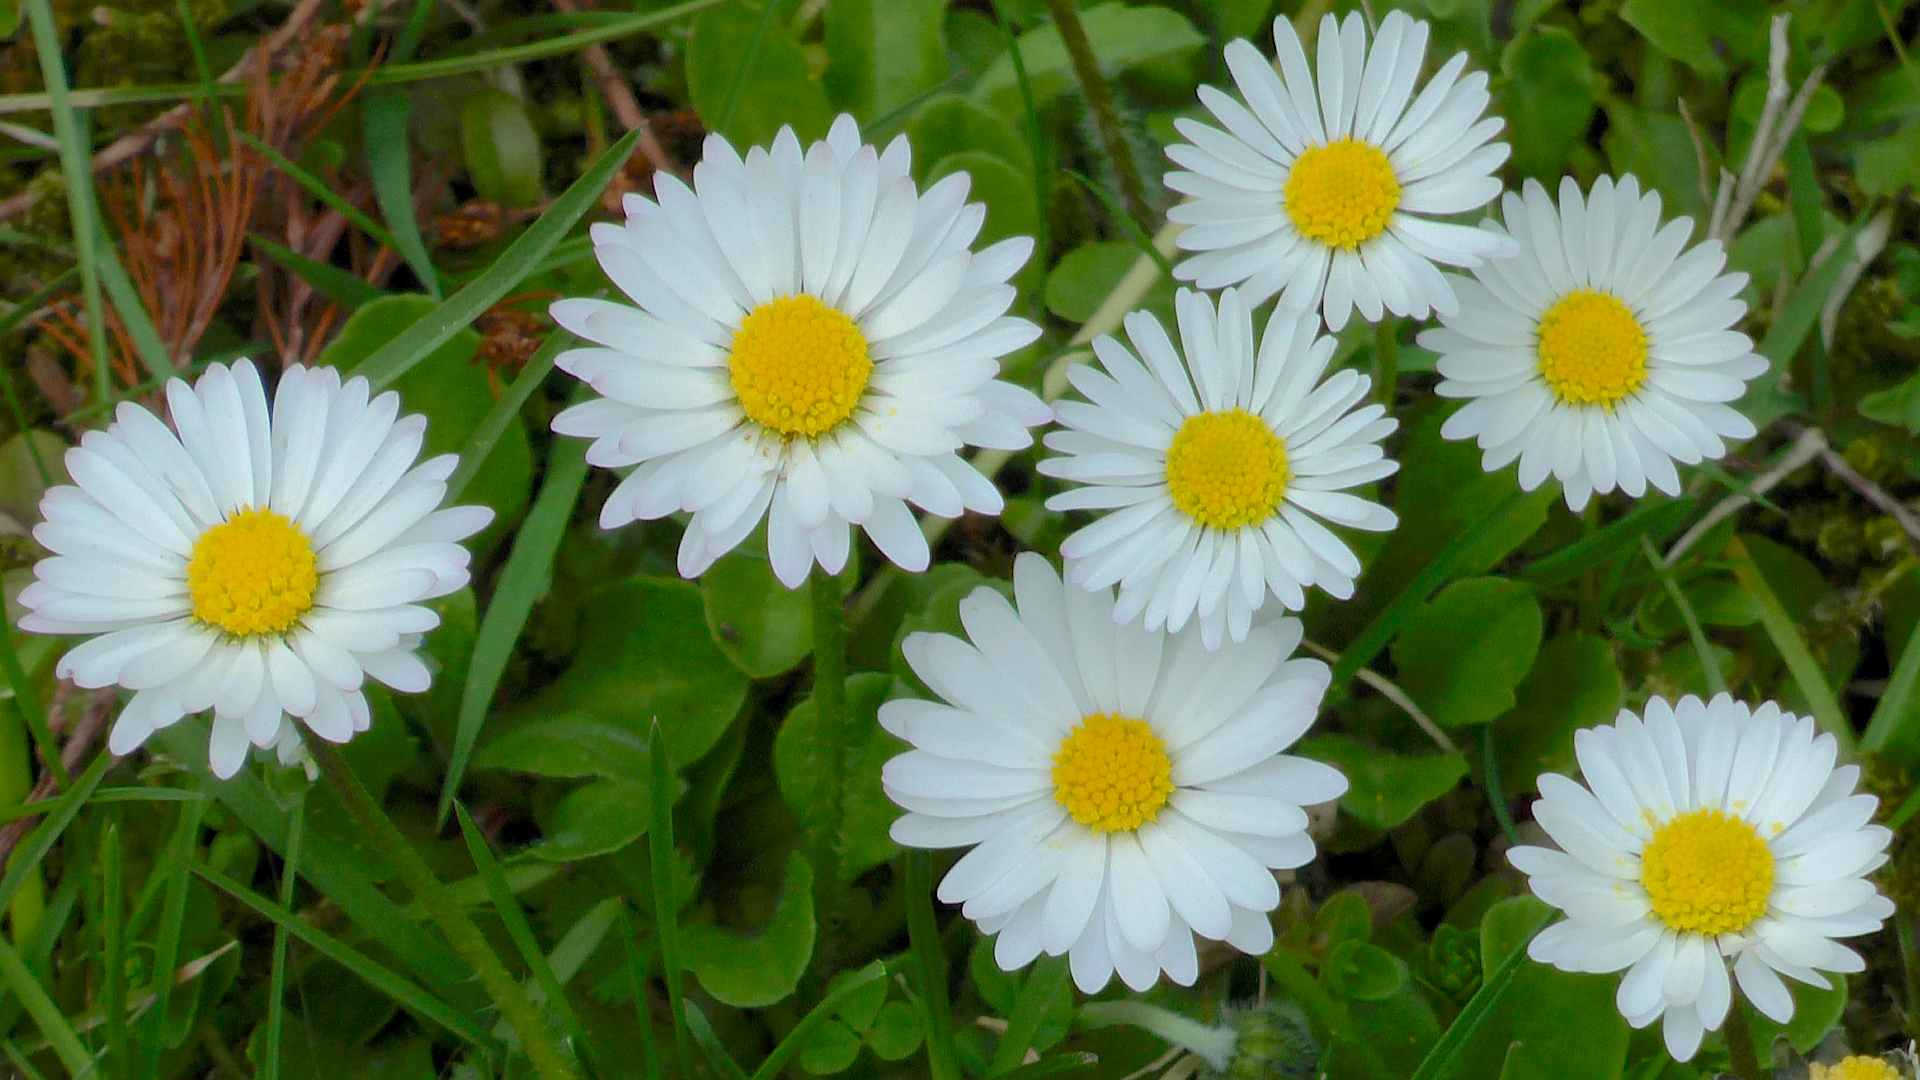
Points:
(1122, 37)
(1891, 164)
(1815, 1012)
(383, 126)
(750, 971)
(1574, 684)
(452, 392)
(1548, 99)
(755, 71)
(503, 152)
(832, 1048)
(1007, 194)
(641, 662)
(595, 819)
(951, 124)
(760, 624)
(1385, 789)
(568, 745)
(1700, 36)
(1079, 283)
(896, 1032)
(1462, 653)
(884, 53)
(1362, 972)
(869, 812)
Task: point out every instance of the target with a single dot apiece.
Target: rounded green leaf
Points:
(1385, 789)
(1462, 653)
(896, 1032)
(597, 819)
(1362, 972)
(1575, 683)
(1122, 37)
(642, 657)
(568, 745)
(950, 124)
(748, 80)
(1007, 192)
(881, 54)
(1548, 99)
(832, 1048)
(760, 624)
(751, 971)
(502, 150)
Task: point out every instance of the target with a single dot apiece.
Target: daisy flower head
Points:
(1121, 790)
(1217, 462)
(262, 561)
(1708, 835)
(812, 341)
(1861, 1067)
(1603, 351)
(1334, 192)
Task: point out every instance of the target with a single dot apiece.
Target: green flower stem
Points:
(1214, 1044)
(548, 1059)
(924, 933)
(1086, 68)
(833, 753)
(1739, 1036)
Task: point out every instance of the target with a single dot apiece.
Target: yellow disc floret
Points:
(1227, 469)
(1592, 350)
(798, 366)
(1342, 194)
(1112, 773)
(1707, 872)
(254, 573)
(1857, 1067)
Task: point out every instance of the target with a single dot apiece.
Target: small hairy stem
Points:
(548, 1059)
(1100, 100)
(1746, 1066)
(833, 754)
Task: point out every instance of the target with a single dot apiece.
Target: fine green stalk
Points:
(1709, 665)
(1047, 978)
(833, 755)
(277, 980)
(666, 906)
(1086, 68)
(1386, 361)
(27, 703)
(924, 934)
(1036, 135)
(1739, 1036)
(1496, 792)
(536, 1039)
(113, 922)
(1438, 571)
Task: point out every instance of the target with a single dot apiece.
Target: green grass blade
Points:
(133, 313)
(27, 703)
(1439, 1060)
(637, 984)
(515, 920)
(1793, 648)
(1036, 134)
(1438, 571)
(1046, 979)
(666, 913)
(1897, 716)
(113, 924)
(329, 866)
(796, 1039)
(166, 949)
(1128, 225)
(277, 977)
(329, 281)
(76, 167)
(102, 796)
(26, 858)
(20, 1062)
(480, 444)
(1056, 1065)
(519, 587)
(405, 992)
(1709, 664)
(431, 330)
(711, 1045)
(383, 128)
(1655, 517)
(558, 45)
(14, 317)
(46, 1015)
(322, 191)
(746, 62)
(924, 934)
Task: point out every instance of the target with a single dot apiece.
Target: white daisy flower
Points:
(1335, 195)
(1121, 789)
(262, 564)
(1600, 352)
(1217, 467)
(814, 342)
(1708, 835)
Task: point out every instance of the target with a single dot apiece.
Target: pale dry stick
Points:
(1868, 243)
(1804, 450)
(136, 142)
(1770, 136)
(1702, 161)
(1386, 688)
(1152, 1068)
(626, 107)
(31, 136)
(999, 1027)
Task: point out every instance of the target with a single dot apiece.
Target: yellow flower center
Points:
(1857, 1067)
(798, 366)
(254, 573)
(1342, 194)
(1112, 773)
(1227, 469)
(1592, 350)
(1707, 873)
